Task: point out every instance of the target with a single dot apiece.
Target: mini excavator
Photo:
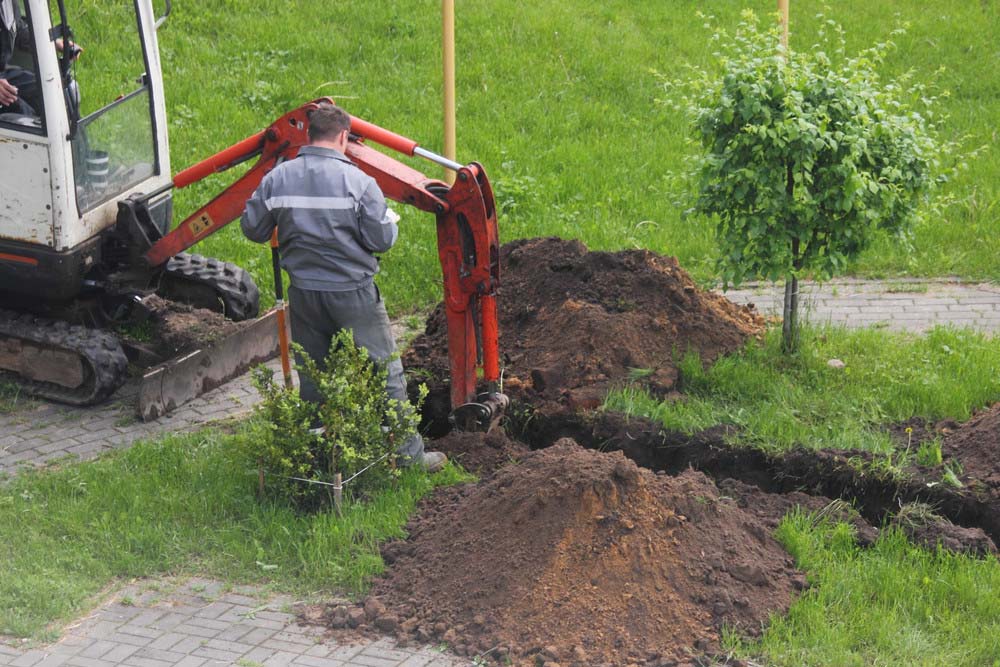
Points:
(85, 212)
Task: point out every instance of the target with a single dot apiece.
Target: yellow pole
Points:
(783, 11)
(448, 56)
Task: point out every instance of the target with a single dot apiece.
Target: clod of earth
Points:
(175, 328)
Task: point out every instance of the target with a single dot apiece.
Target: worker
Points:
(332, 218)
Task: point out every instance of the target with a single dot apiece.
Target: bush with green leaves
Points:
(806, 155)
(363, 426)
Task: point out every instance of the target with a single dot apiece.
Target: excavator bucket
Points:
(175, 382)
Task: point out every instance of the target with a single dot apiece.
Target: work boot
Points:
(429, 461)
(433, 461)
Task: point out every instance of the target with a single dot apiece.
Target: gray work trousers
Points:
(317, 317)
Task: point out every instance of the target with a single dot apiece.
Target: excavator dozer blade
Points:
(175, 382)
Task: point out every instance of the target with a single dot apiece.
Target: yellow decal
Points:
(202, 224)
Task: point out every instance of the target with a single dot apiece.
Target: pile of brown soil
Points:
(581, 558)
(574, 322)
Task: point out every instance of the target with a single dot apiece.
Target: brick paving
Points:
(902, 305)
(198, 623)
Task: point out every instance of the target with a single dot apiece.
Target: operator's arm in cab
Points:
(258, 222)
(376, 221)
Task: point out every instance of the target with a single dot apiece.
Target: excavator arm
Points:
(468, 241)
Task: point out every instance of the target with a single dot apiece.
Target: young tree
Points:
(806, 157)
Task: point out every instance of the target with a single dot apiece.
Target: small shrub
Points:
(363, 427)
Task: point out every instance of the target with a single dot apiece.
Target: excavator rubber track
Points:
(59, 361)
(206, 282)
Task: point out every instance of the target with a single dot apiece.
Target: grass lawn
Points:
(778, 402)
(890, 604)
(556, 99)
(180, 505)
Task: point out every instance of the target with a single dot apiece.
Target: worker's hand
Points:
(74, 49)
(8, 92)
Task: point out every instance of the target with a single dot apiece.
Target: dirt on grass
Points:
(578, 557)
(976, 446)
(573, 323)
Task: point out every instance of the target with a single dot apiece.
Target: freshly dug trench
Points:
(580, 558)
(573, 323)
(852, 476)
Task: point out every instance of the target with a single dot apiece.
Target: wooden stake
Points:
(279, 300)
(448, 59)
(260, 478)
(338, 493)
(783, 11)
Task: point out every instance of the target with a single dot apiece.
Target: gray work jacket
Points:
(331, 219)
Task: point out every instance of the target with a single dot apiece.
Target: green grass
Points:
(891, 604)
(10, 397)
(182, 505)
(779, 401)
(556, 99)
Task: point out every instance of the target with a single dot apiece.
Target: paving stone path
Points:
(197, 623)
(901, 305)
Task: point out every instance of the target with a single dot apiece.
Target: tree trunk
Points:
(790, 316)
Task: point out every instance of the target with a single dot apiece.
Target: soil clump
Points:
(579, 558)
(928, 529)
(573, 323)
(481, 453)
(173, 328)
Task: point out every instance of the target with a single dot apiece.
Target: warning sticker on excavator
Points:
(202, 224)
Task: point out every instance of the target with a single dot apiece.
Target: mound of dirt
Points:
(574, 322)
(481, 453)
(579, 558)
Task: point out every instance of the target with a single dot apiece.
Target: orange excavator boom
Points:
(468, 239)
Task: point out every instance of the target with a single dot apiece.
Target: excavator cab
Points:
(84, 191)
(86, 146)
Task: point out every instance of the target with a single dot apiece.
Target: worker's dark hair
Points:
(327, 121)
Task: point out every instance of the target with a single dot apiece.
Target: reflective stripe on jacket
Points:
(331, 217)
